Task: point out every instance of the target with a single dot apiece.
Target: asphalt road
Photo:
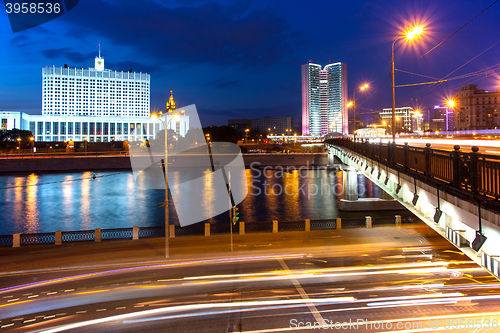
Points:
(407, 277)
(485, 146)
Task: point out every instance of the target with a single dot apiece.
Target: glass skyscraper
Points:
(324, 99)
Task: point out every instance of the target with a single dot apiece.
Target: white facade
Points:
(93, 129)
(95, 92)
(324, 99)
(94, 104)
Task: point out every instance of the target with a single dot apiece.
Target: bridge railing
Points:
(472, 173)
(200, 229)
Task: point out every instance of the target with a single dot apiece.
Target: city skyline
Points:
(227, 77)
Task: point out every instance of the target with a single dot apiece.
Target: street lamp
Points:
(451, 104)
(246, 135)
(167, 217)
(409, 35)
(85, 144)
(353, 104)
(19, 140)
(32, 139)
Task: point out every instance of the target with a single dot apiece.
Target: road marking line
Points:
(32, 296)
(81, 312)
(60, 314)
(98, 310)
(138, 306)
(69, 290)
(147, 282)
(120, 308)
(131, 283)
(115, 284)
(7, 296)
(29, 321)
(303, 294)
(7, 325)
(17, 319)
(12, 300)
(52, 293)
(40, 316)
(48, 317)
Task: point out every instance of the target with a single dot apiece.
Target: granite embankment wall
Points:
(123, 162)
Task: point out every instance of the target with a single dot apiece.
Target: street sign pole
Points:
(230, 211)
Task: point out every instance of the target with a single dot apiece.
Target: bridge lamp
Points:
(410, 34)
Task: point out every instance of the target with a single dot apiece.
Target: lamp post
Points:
(85, 144)
(353, 104)
(167, 217)
(32, 139)
(451, 105)
(246, 134)
(20, 150)
(410, 34)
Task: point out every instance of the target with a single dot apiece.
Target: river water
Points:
(47, 202)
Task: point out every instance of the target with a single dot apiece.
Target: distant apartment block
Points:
(476, 109)
(407, 119)
(273, 125)
(240, 124)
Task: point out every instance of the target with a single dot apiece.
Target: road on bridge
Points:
(382, 279)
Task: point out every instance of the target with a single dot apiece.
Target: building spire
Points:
(171, 103)
(99, 49)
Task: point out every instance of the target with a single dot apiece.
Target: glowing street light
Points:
(353, 104)
(167, 217)
(410, 34)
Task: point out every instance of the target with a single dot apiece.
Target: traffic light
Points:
(235, 215)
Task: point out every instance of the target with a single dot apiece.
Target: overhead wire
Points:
(453, 34)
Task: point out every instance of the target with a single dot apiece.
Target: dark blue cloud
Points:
(223, 83)
(66, 54)
(206, 34)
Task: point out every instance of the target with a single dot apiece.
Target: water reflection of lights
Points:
(32, 218)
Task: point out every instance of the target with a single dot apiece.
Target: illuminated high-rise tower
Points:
(324, 99)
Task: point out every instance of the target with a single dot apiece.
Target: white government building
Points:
(94, 104)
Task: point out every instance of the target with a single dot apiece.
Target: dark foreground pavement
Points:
(384, 279)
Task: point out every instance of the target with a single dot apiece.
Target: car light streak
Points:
(197, 262)
(295, 302)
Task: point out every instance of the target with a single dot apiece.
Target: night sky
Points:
(241, 59)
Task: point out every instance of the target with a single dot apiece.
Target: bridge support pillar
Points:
(368, 222)
(308, 225)
(58, 237)
(172, 231)
(16, 240)
(275, 226)
(350, 183)
(242, 228)
(207, 229)
(339, 223)
(135, 233)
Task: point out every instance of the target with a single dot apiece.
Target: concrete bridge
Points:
(456, 193)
